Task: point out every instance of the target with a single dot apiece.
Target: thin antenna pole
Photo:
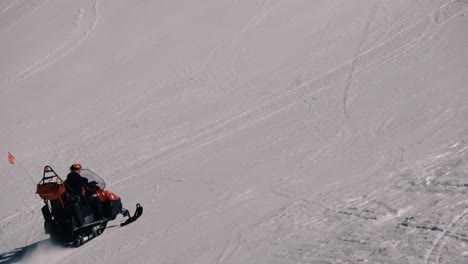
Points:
(27, 172)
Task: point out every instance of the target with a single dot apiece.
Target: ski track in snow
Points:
(394, 47)
(350, 79)
(400, 48)
(84, 25)
(437, 251)
(228, 251)
(9, 6)
(17, 11)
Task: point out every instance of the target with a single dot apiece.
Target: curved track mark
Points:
(84, 26)
(350, 79)
(439, 244)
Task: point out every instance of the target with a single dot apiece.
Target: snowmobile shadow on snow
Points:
(67, 220)
(30, 253)
(19, 254)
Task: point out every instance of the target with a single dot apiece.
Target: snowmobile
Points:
(70, 222)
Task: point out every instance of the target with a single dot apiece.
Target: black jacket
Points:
(75, 183)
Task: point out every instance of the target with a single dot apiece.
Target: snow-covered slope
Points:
(251, 131)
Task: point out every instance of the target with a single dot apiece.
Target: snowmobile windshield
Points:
(91, 176)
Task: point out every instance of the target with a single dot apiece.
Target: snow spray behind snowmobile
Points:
(70, 222)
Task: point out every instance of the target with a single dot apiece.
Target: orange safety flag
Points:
(11, 159)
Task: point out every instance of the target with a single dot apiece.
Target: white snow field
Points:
(251, 131)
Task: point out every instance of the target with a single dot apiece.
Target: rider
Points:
(78, 185)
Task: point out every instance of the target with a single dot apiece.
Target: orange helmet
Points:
(75, 167)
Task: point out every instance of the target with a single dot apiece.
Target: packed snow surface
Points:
(255, 131)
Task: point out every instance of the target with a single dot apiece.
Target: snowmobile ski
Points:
(136, 215)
